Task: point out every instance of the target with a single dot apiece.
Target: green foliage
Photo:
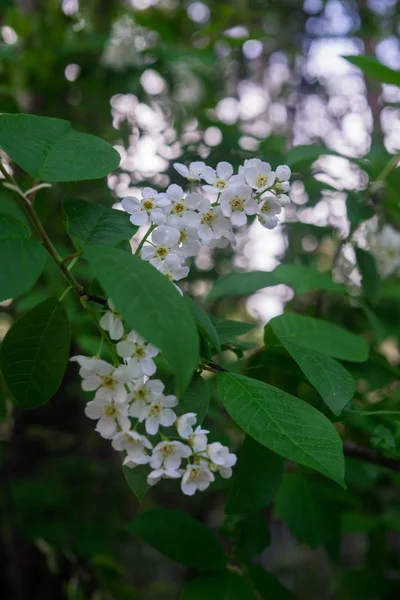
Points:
(196, 399)
(321, 336)
(227, 330)
(34, 354)
(374, 69)
(90, 224)
(137, 480)
(267, 585)
(23, 259)
(229, 586)
(256, 479)
(370, 279)
(283, 423)
(335, 385)
(53, 151)
(204, 323)
(136, 289)
(180, 537)
(251, 536)
(300, 278)
(314, 516)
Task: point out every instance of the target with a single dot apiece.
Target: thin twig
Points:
(353, 450)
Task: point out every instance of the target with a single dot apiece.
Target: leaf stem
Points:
(144, 239)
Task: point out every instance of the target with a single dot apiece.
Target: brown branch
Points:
(353, 450)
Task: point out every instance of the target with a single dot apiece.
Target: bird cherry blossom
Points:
(169, 454)
(164, 240)
(269, 208)
(111, 417)
(111, 321)
(152, 207)
(192, 173)
(259, 176)
(237, 203)
(138, 354)
(217, 180)
(135, 445)
(196, 477)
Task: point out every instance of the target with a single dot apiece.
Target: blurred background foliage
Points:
(222, 80)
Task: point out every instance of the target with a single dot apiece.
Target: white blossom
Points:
(165, 240)
(385, 247)
(142, 396)
(196, 477)
(107, 381)
(260, 176)
(152, 207)
(269, 208)
(138, 354)
(184, 424)
(237, 203)
(184, 206)
(217, 180)
(213, 224)
(169, 454)
(111, 321)
(172, 268)
(135, 445)
(192, 173)
(163, 473)
(188, 237)
(111, 416)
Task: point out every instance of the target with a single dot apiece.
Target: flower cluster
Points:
(181, 222)
(131, 408)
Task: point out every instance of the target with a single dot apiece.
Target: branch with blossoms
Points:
(131, 408)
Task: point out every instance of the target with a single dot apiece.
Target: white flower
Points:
(153, 207)
(165, 240)
(135, 446)
(217, 180)
(268, 211)
(91, 365)
(197, 438)
(172, 268)
(192, 173)
(182, 206)
(111, 416)
(157, 412)
(237, 203)
(260, 176)
(249, 162)
(213, 224)
(111, 322)
(188, 240)
(220, 455)
(184, 424)
(163, 473)
(196, 477)
(169, 454)
(108, 381)
(283, 173)
(143, 394)
(138, 354)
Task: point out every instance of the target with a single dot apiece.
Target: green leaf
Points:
(370, 279)
(34, 354)
(256, 478)
(306, 154)
(321, 336)
(307, 508)
(267, 585)
(150, 305)
(180, 537)
(204, 323)
(335, 385)
(227, 586)
(22, 259)
(252, 536)
(90, 224)
(357, 209)
(374, 69)
(228, 330)
(51, 150)
(299, 277)
(137, 480)
(196, 399)
(284, 424)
